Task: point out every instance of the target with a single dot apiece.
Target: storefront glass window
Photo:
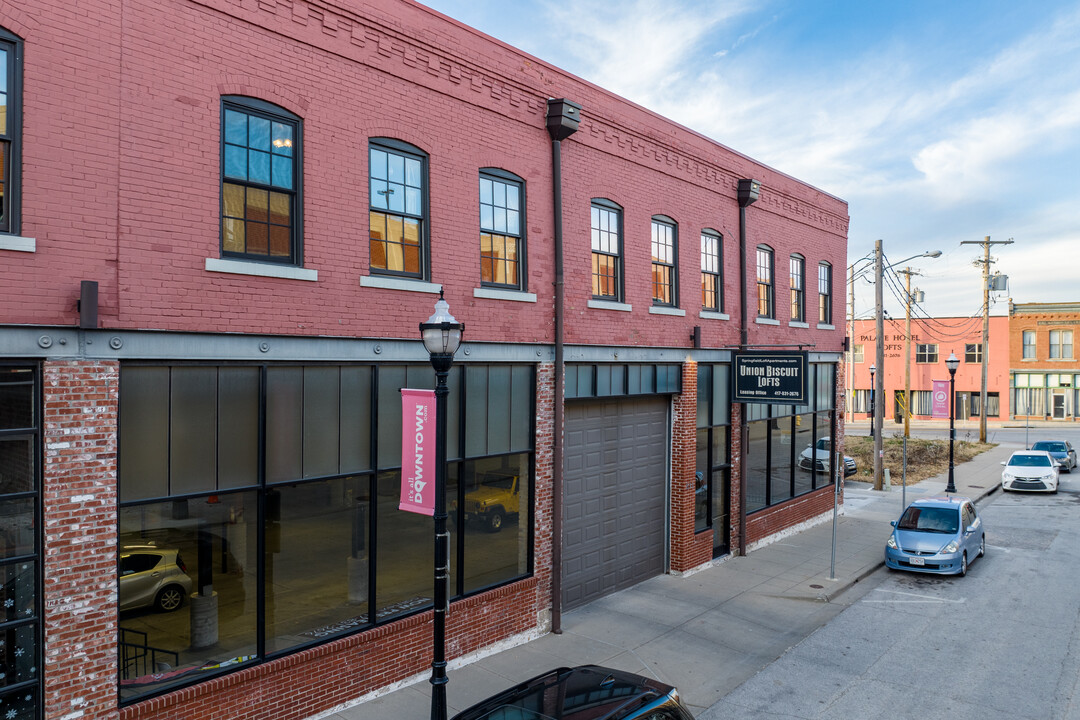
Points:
(187, 589)
(789, 452)
(20, 560)
(494, 520)
(307, 543)
(318, 565)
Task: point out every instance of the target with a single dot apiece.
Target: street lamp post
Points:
(873, 369)
(442, 336)
(952, 363)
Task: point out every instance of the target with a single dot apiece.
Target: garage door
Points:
(615, 495)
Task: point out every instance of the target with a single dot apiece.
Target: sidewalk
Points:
(710, 631)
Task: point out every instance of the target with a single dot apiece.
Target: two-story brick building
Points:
(1044, 371)
(221, 223)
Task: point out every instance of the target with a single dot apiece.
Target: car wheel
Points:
(982, 546)
(170, 598)
(963, 565)
(495, 521)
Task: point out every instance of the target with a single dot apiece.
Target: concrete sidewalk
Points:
(710, 631)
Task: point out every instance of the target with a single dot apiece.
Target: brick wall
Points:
(688, 549)
(544, 474)
(79, 507)
(127, 193)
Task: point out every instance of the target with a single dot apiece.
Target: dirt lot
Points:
(925, 458)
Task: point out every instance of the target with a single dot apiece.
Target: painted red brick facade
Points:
(121, 184)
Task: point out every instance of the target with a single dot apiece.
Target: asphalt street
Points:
(1003, 642)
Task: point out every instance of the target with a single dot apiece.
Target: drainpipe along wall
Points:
(562, 122)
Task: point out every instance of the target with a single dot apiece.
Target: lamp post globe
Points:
(442, 336)
(952, 362)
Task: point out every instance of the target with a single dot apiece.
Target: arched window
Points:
(261, 201)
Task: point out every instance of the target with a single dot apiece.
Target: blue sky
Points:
(938, 122)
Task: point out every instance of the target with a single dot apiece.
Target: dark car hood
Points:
(582, 693)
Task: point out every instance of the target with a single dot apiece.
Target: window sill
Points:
(713, 315)
(797, 324)
(609, 305)
(497, 294)
(662, 310)
(393, 283)
(1061, 360)
(258, 269)
(825, 326)
(766, 321)
(18, 244)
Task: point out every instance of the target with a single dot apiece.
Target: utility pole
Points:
(879, 355)
(908, 272)
(985, 262)
(850, 404)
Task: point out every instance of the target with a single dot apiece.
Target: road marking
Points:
(920, 598)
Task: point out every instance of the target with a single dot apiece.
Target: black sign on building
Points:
(772, 378)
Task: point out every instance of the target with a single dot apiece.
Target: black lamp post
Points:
(952, 363)
(872, 415)
(442, 336)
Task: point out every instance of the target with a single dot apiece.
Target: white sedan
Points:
(1031, 470)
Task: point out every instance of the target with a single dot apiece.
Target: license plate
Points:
(917, 561)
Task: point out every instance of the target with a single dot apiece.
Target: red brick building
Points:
(1044, 372)
(221, 225)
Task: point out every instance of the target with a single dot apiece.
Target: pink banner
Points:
(941, 399)
(418, 451)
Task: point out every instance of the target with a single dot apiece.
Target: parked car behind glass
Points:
(152, 577)
(936, 535)
(817, 458)
(587, 692)
(1060, 450)
(1031, 470)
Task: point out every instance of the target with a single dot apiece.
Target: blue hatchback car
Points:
(936, 535)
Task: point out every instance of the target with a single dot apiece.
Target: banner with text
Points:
(940, 407)
(774, 378)
(418, 451)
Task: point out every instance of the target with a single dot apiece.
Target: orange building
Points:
(931, 342)
(1044, 372)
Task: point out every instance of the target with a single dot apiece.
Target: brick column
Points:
(688, 549)
(79, 507)
(542, 522)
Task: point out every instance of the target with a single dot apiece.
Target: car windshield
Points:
(823, 444)
(1030, 460)
(1049, 446)
(930, 519)
(513, 712)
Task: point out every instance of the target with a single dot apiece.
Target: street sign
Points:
(771, 378)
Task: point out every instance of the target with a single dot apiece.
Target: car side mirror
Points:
(893, 523)
(1002, 462)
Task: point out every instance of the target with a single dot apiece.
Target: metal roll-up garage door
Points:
(615, 495)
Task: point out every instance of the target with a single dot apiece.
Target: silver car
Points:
(152, 577)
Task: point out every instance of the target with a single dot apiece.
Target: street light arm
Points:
(865, 270)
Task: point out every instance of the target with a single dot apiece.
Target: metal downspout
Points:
(562, 122)
(748, 192)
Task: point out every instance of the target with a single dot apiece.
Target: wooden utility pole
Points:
(907, 272)
(985, 262)
(879, 359)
